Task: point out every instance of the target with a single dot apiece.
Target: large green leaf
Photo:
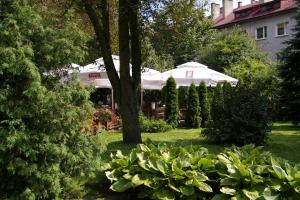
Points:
(121, 185)
(252, 195)
(187, 190)
(164, 194)
(229, 191)
(269, 195)
(137, 180)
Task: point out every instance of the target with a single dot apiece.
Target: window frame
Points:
(265, 33)
(285, 26)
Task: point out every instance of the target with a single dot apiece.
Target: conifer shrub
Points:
(193, 119)
(244, 119)
(183, 93)
(43, 154)
(171, 98)
(204, 104)
(217, 104)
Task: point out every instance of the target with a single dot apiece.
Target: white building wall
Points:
(272, 44)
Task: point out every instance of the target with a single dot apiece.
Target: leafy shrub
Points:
(172, 172)
(183, 94)
(193, 119)
(204, 104)
(153, 126)
(171, 98)
(152, 96)
(244, 118)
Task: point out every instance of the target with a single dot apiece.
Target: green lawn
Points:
(283, 142)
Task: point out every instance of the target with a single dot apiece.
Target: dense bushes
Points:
(171, 172)
(241, 119)
(171, 100)
(43, 155)
(204, 104)
(153, 126)
(193, 119)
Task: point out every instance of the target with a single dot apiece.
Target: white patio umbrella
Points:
(193, 72)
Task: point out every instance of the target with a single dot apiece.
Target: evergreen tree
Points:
(289, 71)
(172, 110)
(41, 147)
(227, 90)
(217, 105)
(204, 104)
(193, 119)
(183, 93)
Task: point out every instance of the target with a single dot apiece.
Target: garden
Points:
(58, 139)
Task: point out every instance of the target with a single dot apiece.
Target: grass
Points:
(283, 142)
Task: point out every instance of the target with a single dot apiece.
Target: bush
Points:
(244, 118)
(152, 96)
(183, 94)
(204, 104)
(217, 105)
(172, 172)
(193, 119)
(172, 110)
(153, 126)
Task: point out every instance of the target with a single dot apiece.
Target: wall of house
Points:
(272, 44)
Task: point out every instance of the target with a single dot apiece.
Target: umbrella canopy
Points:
(95, 73)
(193, 72)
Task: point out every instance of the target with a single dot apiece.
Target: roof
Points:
(256, 10)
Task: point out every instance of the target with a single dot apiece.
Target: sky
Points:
(235, 2)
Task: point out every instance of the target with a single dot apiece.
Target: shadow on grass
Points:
(286, 128)
(285, 146)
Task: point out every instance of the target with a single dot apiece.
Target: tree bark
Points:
(129, 111)
(125, 86)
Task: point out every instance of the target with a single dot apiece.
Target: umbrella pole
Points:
(142, 92)
(112, 99)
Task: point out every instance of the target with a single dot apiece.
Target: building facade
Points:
(269, 23)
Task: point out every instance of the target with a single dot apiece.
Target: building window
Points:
(281, 29)
(261, 33)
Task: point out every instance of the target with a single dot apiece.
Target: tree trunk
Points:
(128, 107)
(125, 86)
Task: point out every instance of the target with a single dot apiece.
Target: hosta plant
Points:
(172, 172)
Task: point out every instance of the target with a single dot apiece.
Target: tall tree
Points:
(180, 29)
(193, 119)
(126, 87)
(171, 100)
(204, 104)
(289, 71)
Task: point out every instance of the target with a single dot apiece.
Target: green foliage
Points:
(193, 119)
(183, 94)
(171, 98)
(153, 126)
(152, 60)
(217, 105)
(290, 74)
(41, 148)
(254, 74)
(172, 172)
(152, 95)
(244, 118)
(204, 104)
(180, 29)
(231, 47)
